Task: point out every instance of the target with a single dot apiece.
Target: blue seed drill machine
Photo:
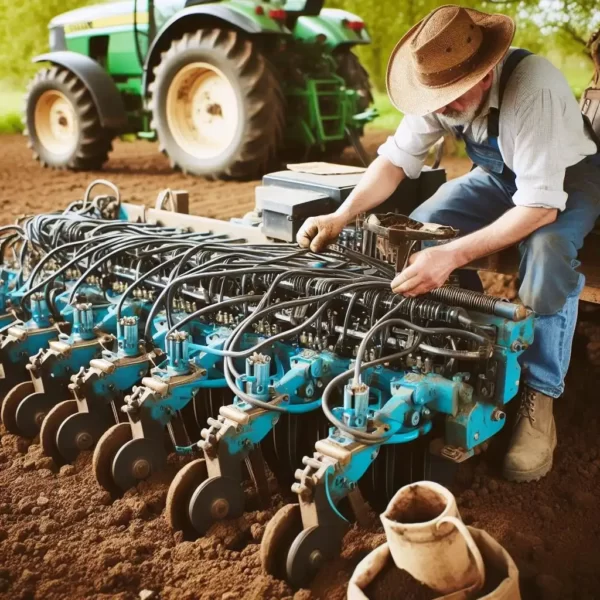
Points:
(140, 332)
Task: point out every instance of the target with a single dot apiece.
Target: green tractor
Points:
(228, 88)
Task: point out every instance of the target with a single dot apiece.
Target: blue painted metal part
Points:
(513, 338)
(404, 412)
(128, 336)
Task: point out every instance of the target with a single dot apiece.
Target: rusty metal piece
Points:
(394, 237)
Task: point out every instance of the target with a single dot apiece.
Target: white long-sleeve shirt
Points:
(541, 133)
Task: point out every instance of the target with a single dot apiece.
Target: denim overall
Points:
(549, 281)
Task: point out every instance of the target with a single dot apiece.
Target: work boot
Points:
(534, 439)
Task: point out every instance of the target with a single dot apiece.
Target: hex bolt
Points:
(83, 440)
(141, 468)
(219, 509)
(316, 558)
(498, 415)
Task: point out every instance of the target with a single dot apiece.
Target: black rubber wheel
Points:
(280, 533)
(51, 424)
(355, 76)
(11, 402)
(180, 493)
(217, 106)
(62, 122)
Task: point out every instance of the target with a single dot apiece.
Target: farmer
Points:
(535, 183)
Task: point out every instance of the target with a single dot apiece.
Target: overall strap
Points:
(511, 63)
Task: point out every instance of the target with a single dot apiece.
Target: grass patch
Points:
(11, 105)
(389, 118)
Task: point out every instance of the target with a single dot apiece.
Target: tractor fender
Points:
(330, 23)
(237, 17)
(102, 88)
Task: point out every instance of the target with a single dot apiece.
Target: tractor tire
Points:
(62, 122)
(217, 106)
(355, 76)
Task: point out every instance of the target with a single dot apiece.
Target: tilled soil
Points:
(61, 536)
(140, 172)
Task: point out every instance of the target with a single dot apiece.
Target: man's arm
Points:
(376, 185)
(401, 156)
(430, 268)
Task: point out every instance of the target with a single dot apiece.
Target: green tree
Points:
(24, 33)
(545, 26)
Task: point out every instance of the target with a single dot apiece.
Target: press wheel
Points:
(279, 534)
(11, 402)
(309, 551)
(136, 460)
(104, 454)
(32, 410)
(215, 499)
(78, 432)
(180, 493)
(51, 424)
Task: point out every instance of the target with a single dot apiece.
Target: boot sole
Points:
(534, 474)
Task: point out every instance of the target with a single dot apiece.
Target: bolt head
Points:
(84, 440)
(316, 558)
(219, 509)
(141, 468)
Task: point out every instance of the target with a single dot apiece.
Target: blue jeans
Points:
(550, 282)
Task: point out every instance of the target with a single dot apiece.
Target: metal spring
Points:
(423, 308)
(455, 296)
(320, 285)
(298, 283)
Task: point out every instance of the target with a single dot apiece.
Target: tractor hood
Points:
(88, 14)
(114, 14)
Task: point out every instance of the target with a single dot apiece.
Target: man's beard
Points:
(460, 118)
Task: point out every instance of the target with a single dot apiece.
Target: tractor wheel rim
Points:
(55, 122)
(202, 110)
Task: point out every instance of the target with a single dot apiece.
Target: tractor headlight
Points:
(57, 39)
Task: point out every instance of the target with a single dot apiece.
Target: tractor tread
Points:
(94, 141)
(265, 103)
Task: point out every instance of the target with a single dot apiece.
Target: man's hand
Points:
(317, 232)
(427, 270)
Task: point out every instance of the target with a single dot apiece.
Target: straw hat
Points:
(444, 55)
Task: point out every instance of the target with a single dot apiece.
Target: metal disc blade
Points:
(216, 499)
(311, 549)
(107, 447)
(31, 412)
(279, 534)
(51, 424)
(79, 432)
(11, 402)
(180, 493)
(137, 460)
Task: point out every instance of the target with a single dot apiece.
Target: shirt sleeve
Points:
(537, 162)
(408, 147)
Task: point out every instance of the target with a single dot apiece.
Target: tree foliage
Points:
(24, 33)
(543, 25)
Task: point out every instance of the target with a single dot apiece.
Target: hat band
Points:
(448, 76)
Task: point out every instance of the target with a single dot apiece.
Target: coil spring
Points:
(455, 296)
(321, 285)
(424, 309)
(299, 283)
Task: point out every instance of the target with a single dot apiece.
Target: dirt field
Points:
(140, 171)
(62, 537)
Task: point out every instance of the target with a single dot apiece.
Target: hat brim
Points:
(412, 97)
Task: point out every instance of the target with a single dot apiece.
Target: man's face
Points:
(463, 110)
